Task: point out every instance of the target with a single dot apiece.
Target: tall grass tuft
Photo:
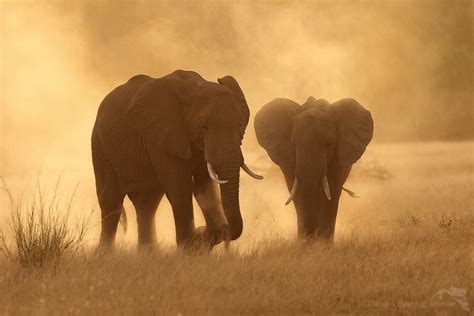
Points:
(39, 230)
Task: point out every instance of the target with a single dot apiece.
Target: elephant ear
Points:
(158, 116)
(234, 86)
(274, 126)
(355, 129)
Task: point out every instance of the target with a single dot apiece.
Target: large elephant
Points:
(315, 145)
(177, 135)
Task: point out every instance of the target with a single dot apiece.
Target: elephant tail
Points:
(123, 219)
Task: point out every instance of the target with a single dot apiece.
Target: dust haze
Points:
(408, 62)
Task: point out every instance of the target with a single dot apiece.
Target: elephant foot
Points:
(103, 249)
(324, 241)
(214, 235)
(146, 246)
(198, 243)
(206, 238)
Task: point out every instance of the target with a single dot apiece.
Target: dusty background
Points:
(409, 62)
(406, 238)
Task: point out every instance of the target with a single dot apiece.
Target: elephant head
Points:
(185, 116)
(315, 143)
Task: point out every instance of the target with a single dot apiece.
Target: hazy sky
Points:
(409, 62)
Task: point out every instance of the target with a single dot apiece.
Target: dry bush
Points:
(39, 231)
(371, 168)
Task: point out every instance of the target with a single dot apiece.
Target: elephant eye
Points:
(330, 140)
(331, 144)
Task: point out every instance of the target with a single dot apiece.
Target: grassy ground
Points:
(409, 235)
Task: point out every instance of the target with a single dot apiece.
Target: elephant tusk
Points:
(293, 191)
(326, 187)
(352, 194)
(250, 172)
(213, 174)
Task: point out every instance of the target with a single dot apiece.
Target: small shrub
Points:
(445, 223)
(414, 220)
(372, 168)
(409, 221)
(39, 230)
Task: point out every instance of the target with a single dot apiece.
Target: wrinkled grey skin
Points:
(153, 137)
(308, 142)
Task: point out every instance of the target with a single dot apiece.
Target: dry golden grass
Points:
(408, 236)
(39, 231)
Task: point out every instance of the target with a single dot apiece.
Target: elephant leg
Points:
(145, 204)
(111, 206)
(207, 195)
(180, 198)
(108, 193)
(175, 175)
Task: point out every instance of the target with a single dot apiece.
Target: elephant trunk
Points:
(230, 203)
(320, 199)
(315, 192)
(309, 197)
(228, 165)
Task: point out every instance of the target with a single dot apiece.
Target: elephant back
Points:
(119, 141)
(185, 75)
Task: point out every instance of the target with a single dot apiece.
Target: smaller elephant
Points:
(315, 146)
